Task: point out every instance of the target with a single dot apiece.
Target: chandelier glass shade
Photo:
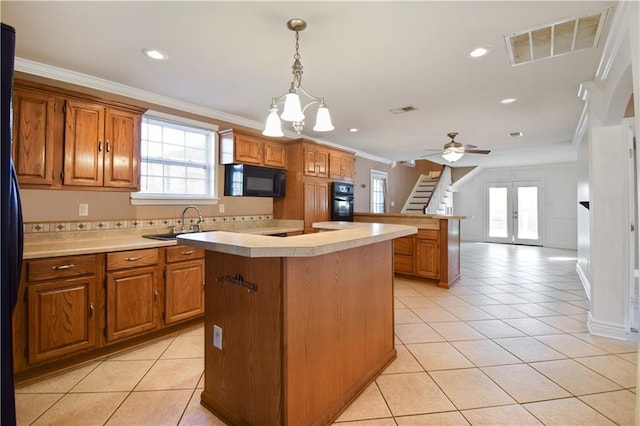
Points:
(293, 111)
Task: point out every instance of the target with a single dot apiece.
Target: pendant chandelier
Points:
(293, 110)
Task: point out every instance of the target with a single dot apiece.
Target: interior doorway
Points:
(514, 212)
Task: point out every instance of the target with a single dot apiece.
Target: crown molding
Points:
(60, 74)
(85, 80)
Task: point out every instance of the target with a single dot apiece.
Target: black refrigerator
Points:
(10, 231)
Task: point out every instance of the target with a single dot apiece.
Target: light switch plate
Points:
(217, 337)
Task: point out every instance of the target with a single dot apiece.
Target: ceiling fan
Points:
(453, 151)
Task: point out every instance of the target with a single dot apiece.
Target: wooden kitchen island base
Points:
(302, 346)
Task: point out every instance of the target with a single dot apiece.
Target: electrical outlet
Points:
(217, 337)
(221, 208)
(83, 209)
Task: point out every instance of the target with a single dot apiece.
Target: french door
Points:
(514, 212)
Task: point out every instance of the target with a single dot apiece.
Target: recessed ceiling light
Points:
(156, 54)
(480, 51)
(353, 130)
(508, 101)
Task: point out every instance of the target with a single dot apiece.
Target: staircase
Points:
(422, 193)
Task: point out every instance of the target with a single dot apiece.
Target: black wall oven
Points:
(342, 201)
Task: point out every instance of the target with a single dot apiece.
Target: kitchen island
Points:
(296, 327)
(433, 253)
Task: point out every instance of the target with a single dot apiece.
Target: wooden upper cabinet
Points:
(239, 147)
(102, 146)
(316, 160)
(84, 144)
(37, 121)
(122, 149)
(68, 139)
(275, 154)
(341, 165)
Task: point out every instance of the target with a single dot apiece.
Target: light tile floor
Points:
(506, 345)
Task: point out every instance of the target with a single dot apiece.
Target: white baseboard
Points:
(604, 329)
(584, 280)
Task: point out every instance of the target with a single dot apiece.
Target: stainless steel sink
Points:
(168, 236)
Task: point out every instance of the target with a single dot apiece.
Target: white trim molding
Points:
(610, 330)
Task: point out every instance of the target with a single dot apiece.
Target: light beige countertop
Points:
(52, 244)
(407, 216)
(335, 236)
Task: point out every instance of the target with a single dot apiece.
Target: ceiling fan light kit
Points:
(293, 111)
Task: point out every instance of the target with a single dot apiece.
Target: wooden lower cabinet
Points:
(73, 307)
(132, 302)
(62, 317)
(403, 249)
(184, 284)
(56, 314)
(427, 258)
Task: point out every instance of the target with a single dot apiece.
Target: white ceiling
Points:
(365, 58)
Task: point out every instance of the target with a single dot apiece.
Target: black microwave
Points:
(253, 181)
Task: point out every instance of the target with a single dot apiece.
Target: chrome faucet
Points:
(196, 227)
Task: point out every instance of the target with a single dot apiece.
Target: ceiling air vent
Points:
(515, 134)
(555, 39)
(403, 109)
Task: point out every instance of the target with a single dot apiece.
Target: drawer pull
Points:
(188, 252)
(132, 259)
(61, 267)
(91, 310)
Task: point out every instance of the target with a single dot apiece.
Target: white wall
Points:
(584, 224)
(559, 202)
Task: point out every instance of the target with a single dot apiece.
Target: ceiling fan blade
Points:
(476, 151)
(469, 146)
(431, 155)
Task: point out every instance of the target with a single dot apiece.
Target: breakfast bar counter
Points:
(296, 327)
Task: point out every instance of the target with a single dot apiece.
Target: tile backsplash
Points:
(42, 227)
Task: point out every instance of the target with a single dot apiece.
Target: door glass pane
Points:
(498, 211)
(528, 212)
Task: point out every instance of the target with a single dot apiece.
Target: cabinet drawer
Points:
(132, 259)
(60, 267)
(428, 234)
(179, 253)
(403, 263)
(403, 245)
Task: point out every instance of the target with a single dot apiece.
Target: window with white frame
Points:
(378, 191)
(177, 161)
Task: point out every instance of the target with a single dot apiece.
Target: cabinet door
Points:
(335, 166)
(84, 144)
(275, 155)
(33, 133)
(184, 290)
(247, 149)
(347, 167)
(310, 162)
(132, 298)
(61, 317)
(122, 149)
(316, 204)
(322, 159)
(427, 258)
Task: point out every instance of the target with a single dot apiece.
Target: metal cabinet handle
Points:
(107, 146)
(132, 259)
(188, 252)
(61, 267)
(91, 310)
(155, 296)
(100, 145)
